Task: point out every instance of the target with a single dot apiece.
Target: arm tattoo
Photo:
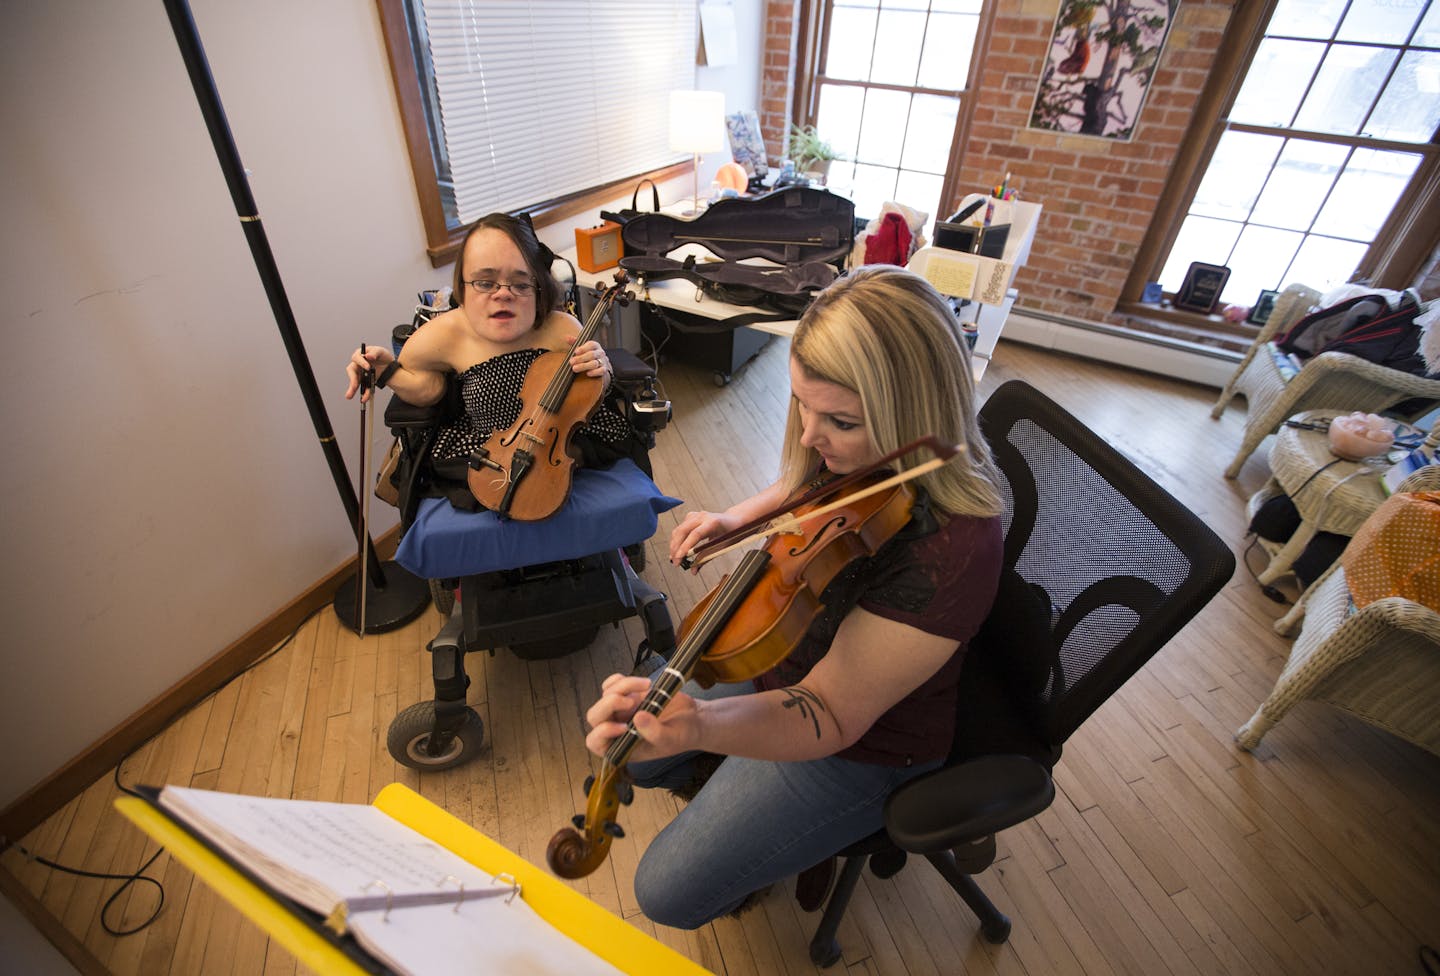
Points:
(807, 702)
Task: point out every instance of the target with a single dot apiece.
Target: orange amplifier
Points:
(598, 247)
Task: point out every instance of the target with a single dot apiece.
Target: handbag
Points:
(1397, 552)
(385, 488)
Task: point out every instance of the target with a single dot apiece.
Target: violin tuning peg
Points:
(625, 792)
(614, 829)
(589, 782)
(579, 821)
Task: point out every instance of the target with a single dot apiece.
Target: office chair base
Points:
(994, 924)
(402, 598)
(824, 947)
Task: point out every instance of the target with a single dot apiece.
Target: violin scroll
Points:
(572, 854)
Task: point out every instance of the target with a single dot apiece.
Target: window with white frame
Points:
(887, 94)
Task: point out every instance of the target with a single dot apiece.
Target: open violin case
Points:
(806, 233)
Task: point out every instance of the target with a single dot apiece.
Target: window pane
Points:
(852, 38)
(949, 41)
(920, 191)
(1365, 194)
(1410, 108)
(1379, 21)
(1298, 186)
(932, 126)
(1236, 174)
(1324, 262)
(1306, 18)
(1429, 33)
(1344, 89)
(882, 130)
(1276, 81)
(1259, 261)
(873, 186)
(838, 117)
(897, 46)
(1201, 239)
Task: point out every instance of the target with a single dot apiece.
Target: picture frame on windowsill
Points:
(1264, 305)
(1200, 291)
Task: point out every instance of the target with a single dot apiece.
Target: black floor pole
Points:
(387, 589)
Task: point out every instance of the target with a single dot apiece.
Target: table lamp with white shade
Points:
(697, 125)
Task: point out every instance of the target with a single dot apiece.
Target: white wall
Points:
(165, 490)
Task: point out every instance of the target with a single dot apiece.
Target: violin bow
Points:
(783, 519)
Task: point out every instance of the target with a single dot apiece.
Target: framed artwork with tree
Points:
(1102, 57)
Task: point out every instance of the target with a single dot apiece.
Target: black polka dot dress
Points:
(491, 391)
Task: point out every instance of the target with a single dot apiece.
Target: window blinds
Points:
(542, 99)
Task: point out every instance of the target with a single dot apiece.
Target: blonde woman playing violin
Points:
(867, 700)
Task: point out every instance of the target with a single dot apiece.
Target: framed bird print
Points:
(1102, 58)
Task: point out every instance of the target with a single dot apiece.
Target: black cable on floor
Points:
(139, 874)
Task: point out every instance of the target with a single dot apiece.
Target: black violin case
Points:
(807, 233)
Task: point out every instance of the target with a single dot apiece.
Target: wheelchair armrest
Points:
(628, 367)
(959, 804)
(400, 415)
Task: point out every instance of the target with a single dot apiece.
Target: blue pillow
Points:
(607, 508)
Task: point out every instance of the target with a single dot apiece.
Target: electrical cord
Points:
(139, 874)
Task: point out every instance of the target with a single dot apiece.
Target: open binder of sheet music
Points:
(413, 905)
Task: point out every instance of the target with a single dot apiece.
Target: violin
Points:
(751, 620)
(525, 471)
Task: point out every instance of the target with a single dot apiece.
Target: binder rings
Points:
(318, 945)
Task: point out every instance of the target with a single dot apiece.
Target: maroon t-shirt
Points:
(939, 578)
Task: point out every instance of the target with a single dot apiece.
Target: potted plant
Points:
(810, 153)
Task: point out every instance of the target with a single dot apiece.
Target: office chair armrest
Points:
(959, 804)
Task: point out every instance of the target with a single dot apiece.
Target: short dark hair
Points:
(538, 259)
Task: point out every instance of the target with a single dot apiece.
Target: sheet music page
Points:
(489, 935)
(321, 853)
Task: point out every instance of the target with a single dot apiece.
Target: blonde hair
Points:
(886, 334)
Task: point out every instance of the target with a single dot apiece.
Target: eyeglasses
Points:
(520, 289)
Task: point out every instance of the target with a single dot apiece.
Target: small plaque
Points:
(1202, 286)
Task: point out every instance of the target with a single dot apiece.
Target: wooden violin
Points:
(524, 472)
(751, 620)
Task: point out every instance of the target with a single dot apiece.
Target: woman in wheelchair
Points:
(508, 314)
(868, 698)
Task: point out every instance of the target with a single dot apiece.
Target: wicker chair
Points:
(1331, 380)
(1381, 663)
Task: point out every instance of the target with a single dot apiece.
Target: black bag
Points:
(1364, 326)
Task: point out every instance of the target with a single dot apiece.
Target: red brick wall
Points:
(777, 73)
(1098, 194)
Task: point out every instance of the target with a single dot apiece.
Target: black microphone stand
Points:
(393, 596)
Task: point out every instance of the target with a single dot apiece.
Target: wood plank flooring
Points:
(1167, 850)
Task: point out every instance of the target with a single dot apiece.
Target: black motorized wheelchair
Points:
(495, 595)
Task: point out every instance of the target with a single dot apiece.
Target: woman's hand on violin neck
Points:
(374, 357)
(620, 698)
(589, 359)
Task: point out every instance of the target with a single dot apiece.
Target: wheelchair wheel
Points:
(410, 735)
(557, 646)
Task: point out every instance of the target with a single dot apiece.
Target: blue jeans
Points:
(754, 823)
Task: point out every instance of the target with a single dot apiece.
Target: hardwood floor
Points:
(1167, 850)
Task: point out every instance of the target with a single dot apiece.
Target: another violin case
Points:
(807, 233)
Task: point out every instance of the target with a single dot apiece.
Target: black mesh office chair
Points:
(1102, 568)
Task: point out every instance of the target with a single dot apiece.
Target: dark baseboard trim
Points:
(66, 783)
(49, 926)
